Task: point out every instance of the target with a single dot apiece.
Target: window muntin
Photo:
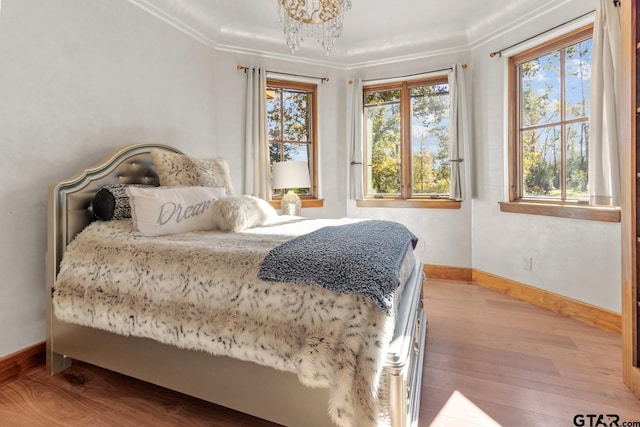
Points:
(407, 139)
(291, 112)
(550, 135)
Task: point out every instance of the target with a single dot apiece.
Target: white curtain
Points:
(257, 178)
(459, 137)
(604, 173)
(355, 139)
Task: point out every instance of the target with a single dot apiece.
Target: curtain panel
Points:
(356, 142)
(604, 172)
(459, 136)
(257, 179)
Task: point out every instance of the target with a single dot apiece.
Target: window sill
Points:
(564, 210)
(306, 203)
(409, 203)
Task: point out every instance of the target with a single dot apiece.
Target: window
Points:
(549, 89)
(549, 106)
(291, 121)
(407, 140)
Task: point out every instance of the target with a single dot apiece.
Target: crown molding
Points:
(278, 56)
(174, 22)
(517, 23)
(337, 65)
(345, 65)
(405, 58)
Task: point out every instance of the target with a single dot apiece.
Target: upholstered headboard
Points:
(70, 201)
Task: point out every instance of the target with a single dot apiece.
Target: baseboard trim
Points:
(447, 273)
(578, 310)
(18, 364)
(582, 311)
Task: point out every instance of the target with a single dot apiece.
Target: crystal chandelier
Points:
(319, 19)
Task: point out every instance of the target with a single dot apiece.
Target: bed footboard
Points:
(406, 355)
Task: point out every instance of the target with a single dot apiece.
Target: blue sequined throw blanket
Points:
(363, 258)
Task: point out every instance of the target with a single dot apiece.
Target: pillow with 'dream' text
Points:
(159, 211)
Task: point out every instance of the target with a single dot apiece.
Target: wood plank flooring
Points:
(495, 360)
(491, 361)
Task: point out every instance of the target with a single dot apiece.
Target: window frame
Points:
(406, 198)
(308, 200)
(517, 203)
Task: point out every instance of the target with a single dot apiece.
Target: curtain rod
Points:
(322, 79)
(499, 52)
(410, 75)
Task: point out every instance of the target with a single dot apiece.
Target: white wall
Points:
(575, 258)
(79, 78)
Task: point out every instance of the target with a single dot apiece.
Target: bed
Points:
(269, 389)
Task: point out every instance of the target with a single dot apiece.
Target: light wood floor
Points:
(495, 360)
(491, 360)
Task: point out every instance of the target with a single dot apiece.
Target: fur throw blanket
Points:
(200, 291)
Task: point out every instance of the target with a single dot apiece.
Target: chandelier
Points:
(319, 19)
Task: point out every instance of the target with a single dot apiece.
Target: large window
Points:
(291, 119)
(549, 109)
(407, 140)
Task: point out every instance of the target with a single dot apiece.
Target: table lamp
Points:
(288, 175)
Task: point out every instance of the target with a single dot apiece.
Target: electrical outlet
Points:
(527, 263)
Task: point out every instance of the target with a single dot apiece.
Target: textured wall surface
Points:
(78, 79)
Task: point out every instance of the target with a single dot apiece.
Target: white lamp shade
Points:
(290, 174)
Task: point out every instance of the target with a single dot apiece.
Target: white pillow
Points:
(158, 211)
(237, 213)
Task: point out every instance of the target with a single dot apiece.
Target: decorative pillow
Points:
(177, 169)
(168, 210)
(111, 202)
(237, 213)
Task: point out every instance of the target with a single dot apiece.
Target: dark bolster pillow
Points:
(111, 202)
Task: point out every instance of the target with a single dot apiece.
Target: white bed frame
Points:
(244, 386)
